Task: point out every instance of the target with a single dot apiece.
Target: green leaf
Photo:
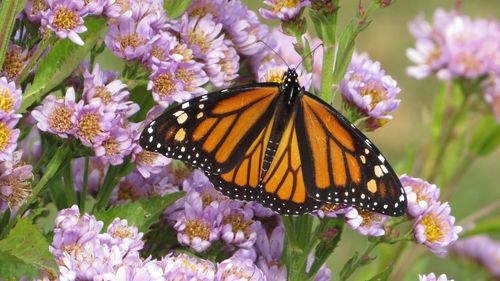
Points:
(142, 213)
(486, 136)
(348, 266)
(175, 8)
(25, 252)
(144, 99)
(486, 227)
(384, 275)
(8, 11)
(61, 60)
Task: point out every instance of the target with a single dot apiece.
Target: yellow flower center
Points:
(184, 51)
(124, 4)
(104, 94)
(13, 63)
(197, 228)
(185, 76)
(470, 62)
(202, 10)
(6, 100)
(274, 75)
(21, 189)
(88, 126)
(126, 192)
(369, 218)
(38, 6)
(240, 273)
(5, 134)
(377, 92)
(158, 53)
(199, 39)
(433, 56)
(111, 146)
(418, 189)
(122, 232)
(60, 119)
(132, 40)
(236, 220)
(147, 157)
(285, 4)
(164, 85)
(330, 207)
(435, 227)
(65, 19)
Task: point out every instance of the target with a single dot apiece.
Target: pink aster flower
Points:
(238, 227)
(238, 269)
(246, 31)
(369, 91)
(34, 9)
(166, 88)
(164, 51)
(14, 62)
(421, 195)
(184, 267)
(432, 277)
(15, 184)
(482, 249)
(126, 237)
(282, 9)
(197, 226)
(226, 70)
(93, 123)
(436, 228)
(273, 72)
(65, 18)
(149, 162)
(129, 39)
(454, 45)
(58, 116)
(10, 97)
(8, 136)
(115, 146)
(331, 210)
(102, 85)
(372, 224)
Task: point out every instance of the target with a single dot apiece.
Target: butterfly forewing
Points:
(213, 130)
(341, 165)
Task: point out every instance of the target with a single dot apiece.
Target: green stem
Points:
(83, 192)
(69, 188)
(113, 176)
(295, 256)
(326, 90)
(359, 261)
(447, 139)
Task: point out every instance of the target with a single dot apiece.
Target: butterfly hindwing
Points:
(283, 188)
(212, 130)
(341, 165)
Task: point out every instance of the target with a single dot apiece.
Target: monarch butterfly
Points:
(279, 145)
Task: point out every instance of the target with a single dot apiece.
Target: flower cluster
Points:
(368, 91)
(15, 183)
(99, 120)
(83, 251)
(10, 101)
(482, 249)
(456, 46)
(433, 225)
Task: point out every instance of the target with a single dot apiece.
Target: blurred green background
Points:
(386, 40)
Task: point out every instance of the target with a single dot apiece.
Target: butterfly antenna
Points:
(274, 51)
(308, 55)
